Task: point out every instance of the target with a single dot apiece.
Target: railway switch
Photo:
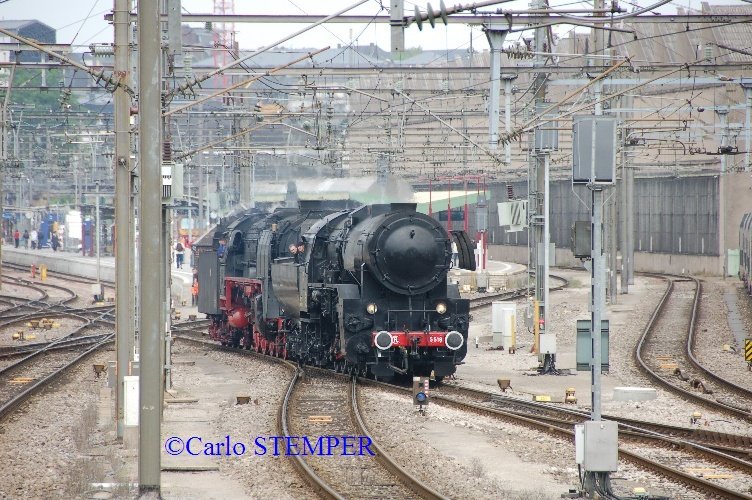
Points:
(99, 369)
(570, 397)
(504, 384)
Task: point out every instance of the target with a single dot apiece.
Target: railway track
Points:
(671, 447)
(670, 456)
(736, 445)
(479, 302)
(16, 303)
(664, 353)
(66, 276)
(319, 402)
(32, 373)
(44, 303)
(28, 368)
(8, 352)
(709, 449)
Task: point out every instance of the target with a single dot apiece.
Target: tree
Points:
(27, 89)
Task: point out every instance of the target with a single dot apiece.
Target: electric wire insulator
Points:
(167, 151)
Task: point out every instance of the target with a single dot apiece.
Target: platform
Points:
(86, 267)
(501, 276)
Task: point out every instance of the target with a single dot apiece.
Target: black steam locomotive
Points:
(360, 290)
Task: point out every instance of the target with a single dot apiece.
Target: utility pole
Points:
(201, 215)
(598, 292)
(508, 78)
(599, 439)
(97, 236)
(541, 143)
(396, 14)
(124, 305)
(245, 165)
(723, 116)
(4, 158)
(150, 204)
(623, 152)
(495, 36)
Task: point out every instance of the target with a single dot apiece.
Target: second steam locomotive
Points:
(361, 290)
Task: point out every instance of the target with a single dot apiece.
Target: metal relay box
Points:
(597, 446)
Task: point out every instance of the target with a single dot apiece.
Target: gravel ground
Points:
(44, 445)
(566, 308)
(517, 462)
(713, 332)
(694, 466)
(263, 477)
(460, 473)
(12, 289)
(65, 326)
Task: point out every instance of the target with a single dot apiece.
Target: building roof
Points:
(15, 25)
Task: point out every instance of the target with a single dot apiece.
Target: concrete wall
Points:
(702, 265)
(703, 213)
(697, 265)
(518, 254)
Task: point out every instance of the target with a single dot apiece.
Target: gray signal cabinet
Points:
(584, 349)
(585, 128)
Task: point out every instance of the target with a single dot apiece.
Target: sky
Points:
(81, 22)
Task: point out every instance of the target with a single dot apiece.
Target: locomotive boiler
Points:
(361, 290)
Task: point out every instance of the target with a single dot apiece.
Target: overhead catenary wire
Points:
(196, 81)
(243, 82)
(109, 79)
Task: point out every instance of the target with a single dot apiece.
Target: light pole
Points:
(96, 235)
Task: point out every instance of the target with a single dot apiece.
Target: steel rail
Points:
(537, 423)
(27, 392)
(643, 365)
(689, 353)
(479, 302)
(546, 426)
(686, 437)
(415, 484)
(322, 487)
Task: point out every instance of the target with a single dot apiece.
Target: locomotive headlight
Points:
(441, 308)
(454, 340)
(372, 308)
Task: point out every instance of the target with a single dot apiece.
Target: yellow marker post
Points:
(43, 272)
(748, 350)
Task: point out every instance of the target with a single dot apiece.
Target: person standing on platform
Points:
(54, 242)
(455, 254)
(179, 255)
(26, 238)
(194, 293)
(34, 237)
(16, 237)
